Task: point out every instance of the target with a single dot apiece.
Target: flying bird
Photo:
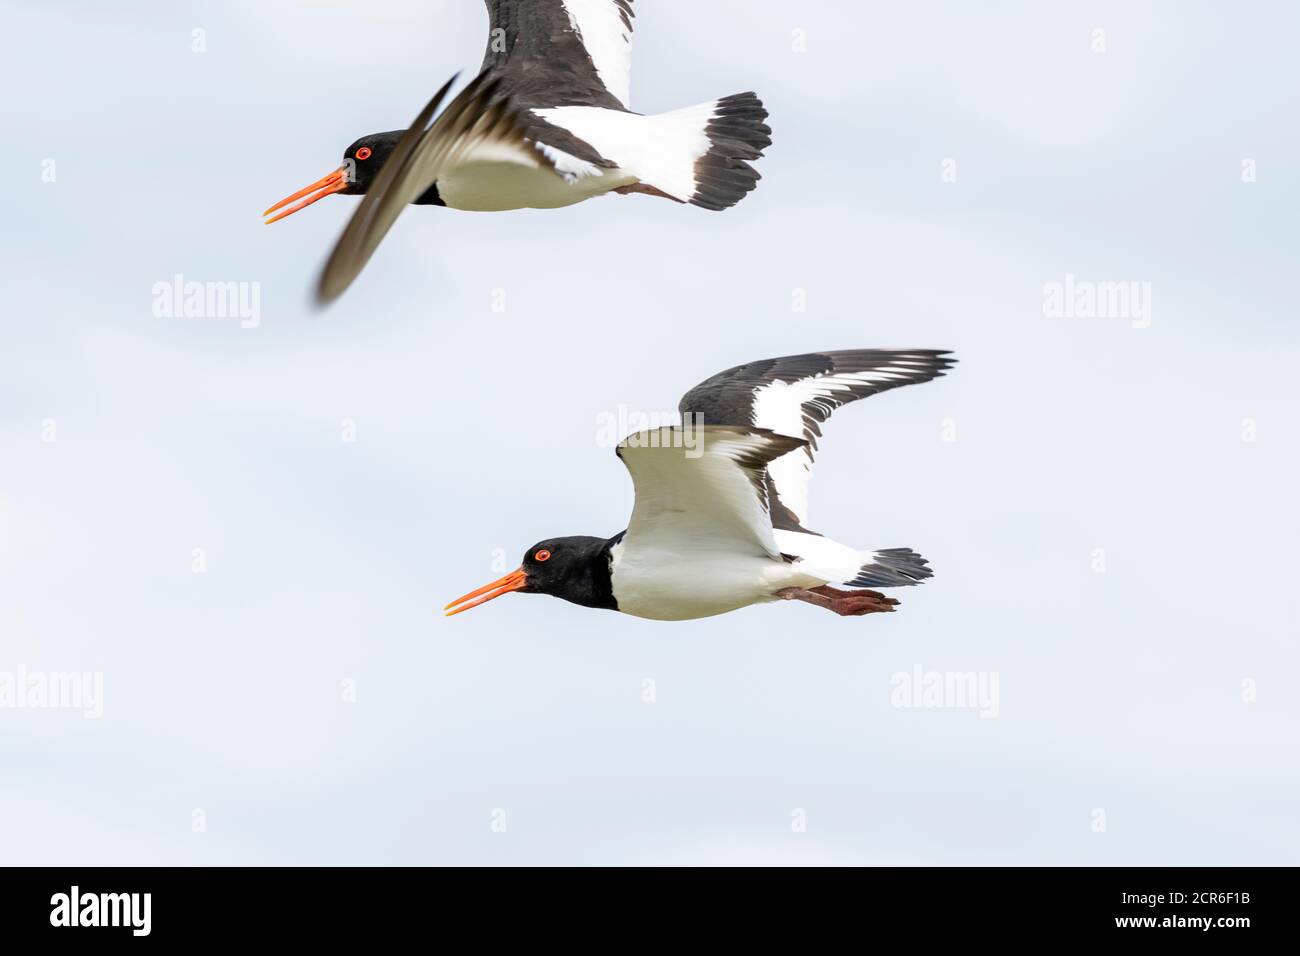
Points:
(545, 124)
(720, 520)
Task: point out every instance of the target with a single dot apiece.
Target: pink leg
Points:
(844, 603)
(643, 188)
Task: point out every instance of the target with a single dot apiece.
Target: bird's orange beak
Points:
(336, 181)
(513, 581)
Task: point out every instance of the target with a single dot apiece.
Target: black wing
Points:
(477, 116)
(561, 52)
(793, 396)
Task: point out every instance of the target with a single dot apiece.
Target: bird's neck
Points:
(593, 586)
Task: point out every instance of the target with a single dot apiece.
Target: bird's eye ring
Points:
(542, 555)
(363, 152)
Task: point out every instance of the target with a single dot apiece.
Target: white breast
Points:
(683, 585)
(513, 178)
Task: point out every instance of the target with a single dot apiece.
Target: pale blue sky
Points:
(476, 431)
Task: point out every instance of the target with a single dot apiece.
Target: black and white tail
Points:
(837, 563)
(738, 133)
(892, 568)
(700, 154)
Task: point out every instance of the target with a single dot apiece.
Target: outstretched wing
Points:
(704, 486)
(479, 122)
(793, 396)
(562, 52)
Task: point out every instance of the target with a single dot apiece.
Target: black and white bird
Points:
(545, 124)
(721, 514)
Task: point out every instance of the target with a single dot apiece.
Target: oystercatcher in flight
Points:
(545, 124)
(721, 512)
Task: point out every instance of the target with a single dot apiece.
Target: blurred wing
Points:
(793, 396)
(479, 123)
(702, 489)
(568, 52)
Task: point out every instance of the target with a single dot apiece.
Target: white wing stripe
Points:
(779, 406)
(570, 167)
(608, 42)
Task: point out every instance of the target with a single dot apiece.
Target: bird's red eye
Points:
(542, 555)
(363, 152)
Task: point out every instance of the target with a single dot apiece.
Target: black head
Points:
(361, 163)
(574, 568)
(364, 158)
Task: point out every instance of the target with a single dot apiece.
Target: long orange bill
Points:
(335, 182)
(511, 582)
